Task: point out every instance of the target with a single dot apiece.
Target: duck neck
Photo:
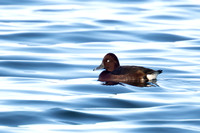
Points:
(113, 67)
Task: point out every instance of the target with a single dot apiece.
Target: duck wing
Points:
(123, 70)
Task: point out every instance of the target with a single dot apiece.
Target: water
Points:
(49, 49)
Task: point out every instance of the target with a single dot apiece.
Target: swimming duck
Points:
(116, 73)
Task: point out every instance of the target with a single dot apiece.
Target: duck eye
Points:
(108, 61)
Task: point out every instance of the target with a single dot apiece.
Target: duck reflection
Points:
(137, 84)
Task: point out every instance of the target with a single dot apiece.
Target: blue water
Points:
(49, 48)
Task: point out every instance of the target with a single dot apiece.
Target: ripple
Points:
(92, 36)
(24, 21)
(77, 117)
(39, 49)
(164, 37)
(170, 111)
(34, 65)
(39, 69)
(71, 26)
(175, 71)
(17, 118)
(130, 1)
(175, 122)
(54, 10)
(19, 57)
(96, 36)
(167, 17)
(76, 37)
(119, 1)
(94, 89)
(21, 2)
(167, 129)
(117, 103)
(191, 48)
(29, 37)
(145, 50)
(33, 103)
(186, 6)
(129, 8)
(111, 22)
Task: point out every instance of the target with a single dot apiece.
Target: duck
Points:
(126, 74)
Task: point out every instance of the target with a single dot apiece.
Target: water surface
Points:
(49, 49)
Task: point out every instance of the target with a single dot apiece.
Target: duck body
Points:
(115, 72)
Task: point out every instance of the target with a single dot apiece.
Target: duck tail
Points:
(159, 71)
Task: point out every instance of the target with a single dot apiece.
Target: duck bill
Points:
(99, 67)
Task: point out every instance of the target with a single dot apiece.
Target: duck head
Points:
(110, 63)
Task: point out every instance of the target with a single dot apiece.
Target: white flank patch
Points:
(152, 76)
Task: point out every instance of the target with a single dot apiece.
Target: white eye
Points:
(108, 61)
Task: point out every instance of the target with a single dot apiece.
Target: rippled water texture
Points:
(48, 49)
